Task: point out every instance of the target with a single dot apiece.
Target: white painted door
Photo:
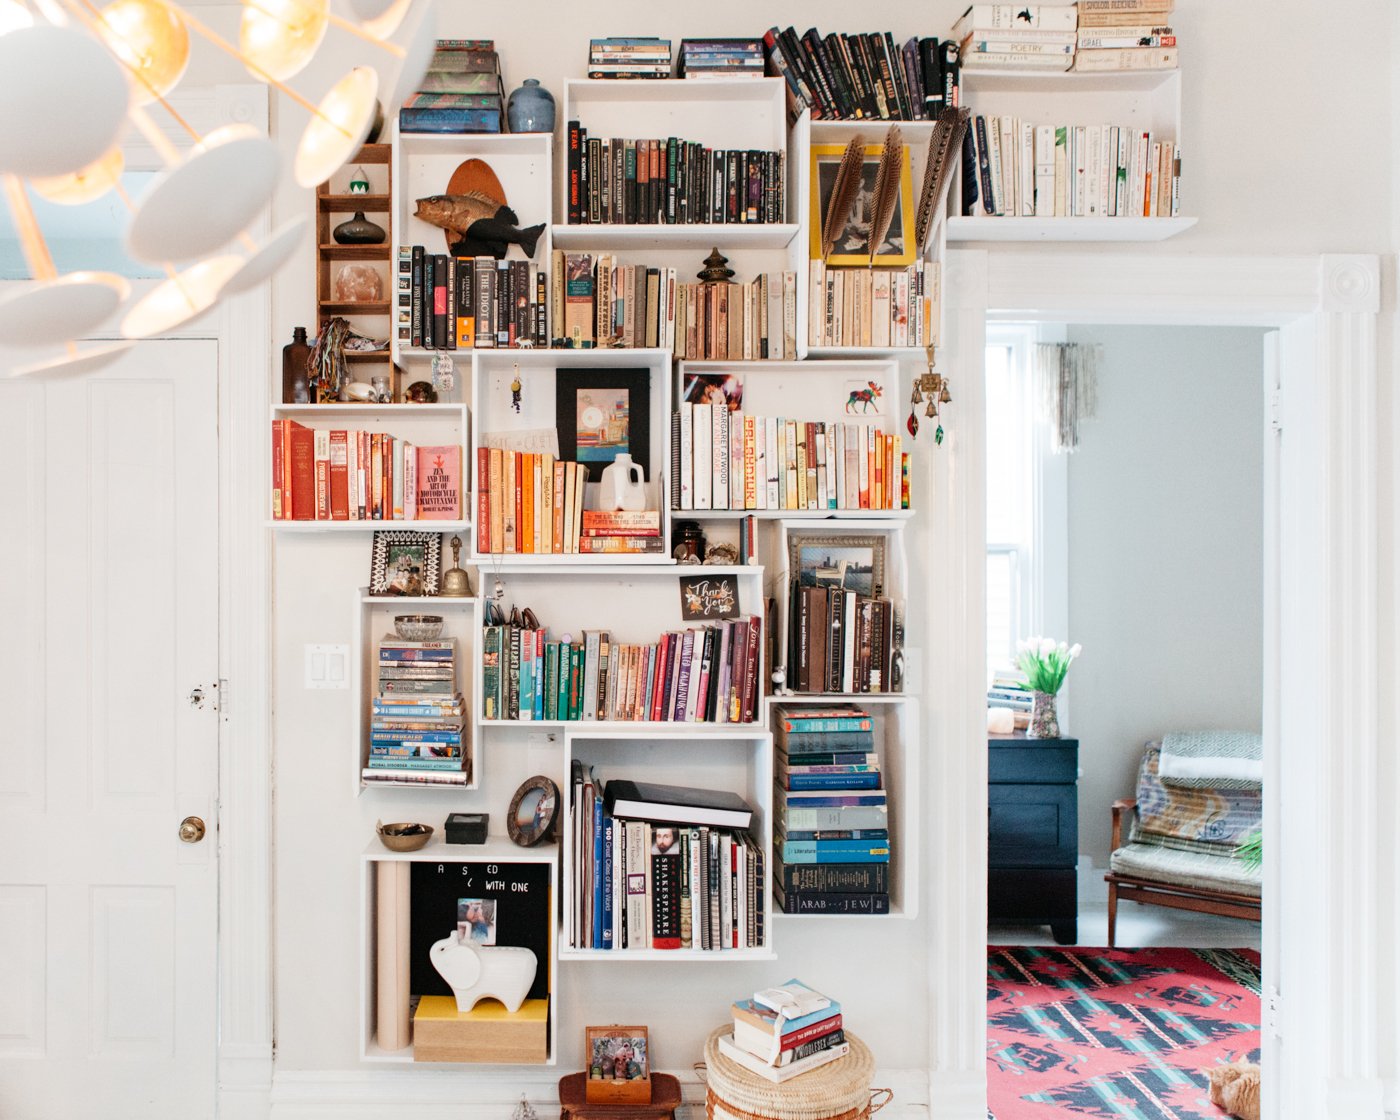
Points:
(109, 607)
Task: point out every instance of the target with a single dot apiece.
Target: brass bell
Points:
(945, 397)
(455, 583)
(932, 409)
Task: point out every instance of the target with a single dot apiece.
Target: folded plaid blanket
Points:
(1212, 759)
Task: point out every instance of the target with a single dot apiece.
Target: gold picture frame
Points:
(853, 248)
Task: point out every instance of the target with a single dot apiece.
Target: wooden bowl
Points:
(393, 836)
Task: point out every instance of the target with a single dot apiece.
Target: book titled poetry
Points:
(439, 490)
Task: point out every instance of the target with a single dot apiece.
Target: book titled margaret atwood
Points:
(439, 489)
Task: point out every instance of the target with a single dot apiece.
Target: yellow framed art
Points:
(853, 246)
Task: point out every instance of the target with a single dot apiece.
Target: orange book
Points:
(892, 473)
(340, 476)
(498, 510)
(547, 503)
(527, 502)
(483, 499)
(510, 464)
(517, 496)
(877, 475)
(557, 543)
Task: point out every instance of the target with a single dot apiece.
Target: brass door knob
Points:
(191, 830)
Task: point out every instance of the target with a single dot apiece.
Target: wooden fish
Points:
(482, 224)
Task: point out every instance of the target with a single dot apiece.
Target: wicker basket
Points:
(839, 1090)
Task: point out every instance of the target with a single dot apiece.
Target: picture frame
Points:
(617, 1061)
(853, 247)
(602, 413)
(533, 811)
(705, 597)
(849, 561)
(405, 563)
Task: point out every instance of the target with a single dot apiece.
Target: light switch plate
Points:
(327, 666)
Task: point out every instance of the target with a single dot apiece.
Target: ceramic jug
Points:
(623, 485)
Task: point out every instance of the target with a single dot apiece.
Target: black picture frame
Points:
(706, 597)
(570, 382)
(537, 800)
(386, 573)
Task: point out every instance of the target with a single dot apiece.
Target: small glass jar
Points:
(381, 389)
(687, 542)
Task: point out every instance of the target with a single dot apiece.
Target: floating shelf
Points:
(355, 252)
(331, 307)
(368, 525)
(1064, 229)
(349, 203)
(790, 514)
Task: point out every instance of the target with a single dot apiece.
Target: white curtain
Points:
(1067, 376)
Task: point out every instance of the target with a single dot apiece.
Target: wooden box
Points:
(487, 1034)
(619, 1065)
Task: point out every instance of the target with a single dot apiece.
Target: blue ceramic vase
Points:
(531, 108)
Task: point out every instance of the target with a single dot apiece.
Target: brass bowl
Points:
(397, 839)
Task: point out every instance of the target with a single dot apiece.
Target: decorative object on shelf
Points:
(359, 230)
(864, 398)
(1067, 375)
(725, 389)
(456, 584)
(296, 388)
(523, 1110)
(483, 226)
(663, 1104)
(931, 390)
(1045, 665)
(358, 283)
(418, 627)
(515, 389)
(622, 485)
(705, 597)
(476, 970)
(602, 413)
(722, 553)
(894, 210)
(944, 144)
(359, 180)
(420, 392)
(403, 836)
(382, 393)
(852, 563)
(531, 108)
(405, 563)
(715, 271)
(466, 828)
(444, 370)
(844, 187)
(779, 679)
(359, 391)
(619, 1065)
(533, 811)
(687, 542)
(326, 365)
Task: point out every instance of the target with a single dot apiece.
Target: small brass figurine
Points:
(714, 270)
(455, 584)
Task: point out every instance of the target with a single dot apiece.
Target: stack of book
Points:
(785, 1032)
(464, 303)
(864, 76)
(1001, 37)
(831, 842)
(884, 308)
(663, 867)
(707, 674)
(336, 475)
(1008, 690)
(461, 92)
(670, 181)
(726, 459)
(417, 732)
(614, 305)
(838, 639)
(721, 58)
(629, 58)
(1125, 35)
(1073, 171)
(528, 503)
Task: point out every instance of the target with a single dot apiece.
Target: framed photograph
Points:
(619, 1065)
(533, 810)
(404, 563)
(603, 413)
(725, 389)
(852, 563)
(476, 919)
(853, 246)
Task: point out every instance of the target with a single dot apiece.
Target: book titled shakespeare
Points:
(439, 489)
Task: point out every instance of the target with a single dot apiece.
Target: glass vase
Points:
(1045, 720)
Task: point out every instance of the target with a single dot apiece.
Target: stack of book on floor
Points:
(721, 58)
(662, 867)
(831, 843)
(784, 1032)
(417, 732)
(1008, 690)
(1125, 35)
(629, 58)
(461, 92)
(1002, 37)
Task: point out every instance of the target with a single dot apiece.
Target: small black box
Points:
(466, 828)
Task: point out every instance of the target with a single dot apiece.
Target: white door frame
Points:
(1328, 829)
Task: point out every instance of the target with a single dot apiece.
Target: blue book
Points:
(766, 1018)
(837, 834)
(539, 684)
(872, 855)
(598, 891)
(446, 119)
(527, 679)
(833, 781)
(397, 737)
(607, 942)
(802, 799)
(834, 851)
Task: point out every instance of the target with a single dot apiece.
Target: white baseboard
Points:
(245, 1082)
(958, 1096)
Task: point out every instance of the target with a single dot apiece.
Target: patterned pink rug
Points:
(1115, 1033)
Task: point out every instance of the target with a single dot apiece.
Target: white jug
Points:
(623, 485)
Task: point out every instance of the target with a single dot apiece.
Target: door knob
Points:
(191, 830)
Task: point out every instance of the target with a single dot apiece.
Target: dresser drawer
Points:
(1032, 764)
(1032, 825)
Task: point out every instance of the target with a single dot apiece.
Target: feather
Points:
(886, 195)
(944, 146)
(843, 195)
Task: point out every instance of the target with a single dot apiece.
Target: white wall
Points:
(1165, 500)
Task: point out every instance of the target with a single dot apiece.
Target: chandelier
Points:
(61, 139)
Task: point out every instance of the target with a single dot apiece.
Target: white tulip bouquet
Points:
(1045, 663)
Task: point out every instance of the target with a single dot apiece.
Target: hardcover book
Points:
(439, 491)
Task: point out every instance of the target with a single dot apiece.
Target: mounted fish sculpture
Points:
(483, 226)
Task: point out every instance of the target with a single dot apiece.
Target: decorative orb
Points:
(65, 100)
(151, 38)
(85, 184)
(181, 298)
(279, 37)
(358, 283)
(49, 311)
(343, 120)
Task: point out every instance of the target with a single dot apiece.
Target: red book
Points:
(559, 499)
(388, 460)
(527, 502)
(340, 477)
(279, 428)
(483, 499)
(519, 499)
(439, 483)
(752, 686)
(301, 471)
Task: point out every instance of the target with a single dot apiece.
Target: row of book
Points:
(831, 846)
(634, 57)
(345, 475)
(670, 182)
(1136, 35)
(464, 303)
(720, 58)
(417, 730)
(784, 1032)
(606, 303)
(884, 307)
(1074, 171)
(663, 881)
(1119, 35)
(724, 459)
(706, 674)
(461, 92)
(1008, 690)
(840, 640)
(865, 76)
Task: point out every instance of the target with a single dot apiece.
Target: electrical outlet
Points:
(327, 666)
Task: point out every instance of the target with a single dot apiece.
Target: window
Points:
(89, 236)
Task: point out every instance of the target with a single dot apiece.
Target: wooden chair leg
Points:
(1112, 913)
